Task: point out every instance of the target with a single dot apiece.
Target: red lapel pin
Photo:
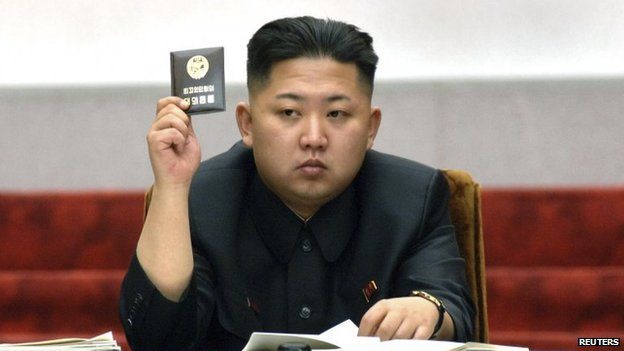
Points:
(253, 305)
(369, 290)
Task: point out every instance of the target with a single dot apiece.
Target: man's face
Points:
(309, 127)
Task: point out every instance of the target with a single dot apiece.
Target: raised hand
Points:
(173, 147)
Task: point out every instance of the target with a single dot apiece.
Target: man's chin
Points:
(316, 194)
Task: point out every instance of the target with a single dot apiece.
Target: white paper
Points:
(103, 342)
(425, 345)
(344, 337)
(271, 341)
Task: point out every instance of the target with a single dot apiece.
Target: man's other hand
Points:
(401, 318)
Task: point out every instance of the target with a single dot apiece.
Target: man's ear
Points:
(244, 121)
(374, 122)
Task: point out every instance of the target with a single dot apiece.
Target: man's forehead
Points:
(297, 78)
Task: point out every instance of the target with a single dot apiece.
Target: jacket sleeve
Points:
(433, 263)
(152, 322)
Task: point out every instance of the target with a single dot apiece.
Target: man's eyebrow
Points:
(338, 97)
(289, 96)
(292, 96)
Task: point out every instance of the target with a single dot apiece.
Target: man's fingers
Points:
(171, 100)
(372, 318)
(173, 147)
(399, 318)
(173, 110)
(167, 132)
(171, 121)
(423, 332)
(407, 329)
(389, 326)
(167, 138)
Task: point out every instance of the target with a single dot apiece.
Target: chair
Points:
(465, 210)
(147, 199)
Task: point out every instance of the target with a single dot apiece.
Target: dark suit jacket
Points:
(404, 241)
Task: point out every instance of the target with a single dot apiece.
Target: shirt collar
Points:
(279, 227)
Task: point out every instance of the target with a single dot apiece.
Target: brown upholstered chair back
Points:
(147, 200)
(465, 209)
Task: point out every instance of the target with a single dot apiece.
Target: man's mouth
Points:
(312, 167)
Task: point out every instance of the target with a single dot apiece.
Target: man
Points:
(301, 226)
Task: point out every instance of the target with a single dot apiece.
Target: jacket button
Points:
(138, 298)
(306, 245)
(305, 312)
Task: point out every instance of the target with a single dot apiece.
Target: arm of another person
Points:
(434, 266)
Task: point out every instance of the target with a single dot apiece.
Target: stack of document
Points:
(344, 337)
(104, 342)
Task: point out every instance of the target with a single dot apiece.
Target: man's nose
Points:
(314, 134)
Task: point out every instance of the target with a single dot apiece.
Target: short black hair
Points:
(306, 36)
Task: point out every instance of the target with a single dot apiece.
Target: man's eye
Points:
(336, 114)
(289, 113)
